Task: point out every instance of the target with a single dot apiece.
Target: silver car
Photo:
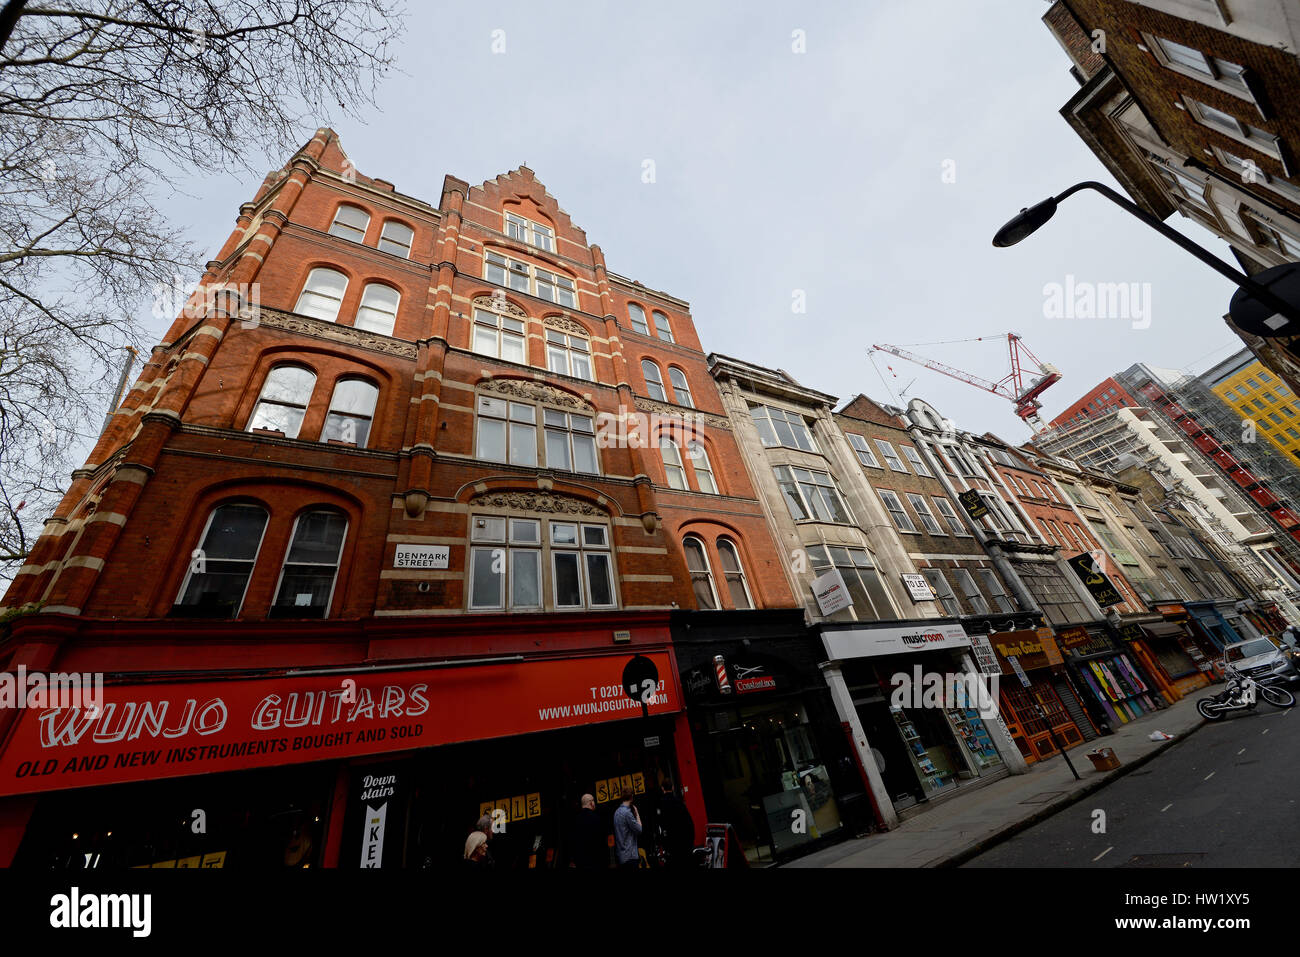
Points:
(1262, 659)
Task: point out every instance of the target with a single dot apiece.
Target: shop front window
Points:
(775, 781)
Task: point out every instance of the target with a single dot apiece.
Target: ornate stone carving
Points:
(336, 333)
(565, 324)
(536, 392)
(547, 502)
(681, 412)
(500, 305)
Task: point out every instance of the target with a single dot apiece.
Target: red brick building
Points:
(1106, 396)
(428, 476)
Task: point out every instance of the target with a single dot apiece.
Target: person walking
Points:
(590, 847)
(627, 827)
(675, 827)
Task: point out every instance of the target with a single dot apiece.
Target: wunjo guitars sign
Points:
(142, 732)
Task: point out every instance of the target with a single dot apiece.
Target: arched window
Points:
(378, 309)
(311, 565)
(661, 326)
(637, 315)
(654, 381)
(396, 238)
(352, 409)
(703, 468)
(218, 576)
(322, 295)
(680, 389)
(734, 573)
(283, 401)
(568, 355)
(350, 222)
(697, 563)
(673, 469)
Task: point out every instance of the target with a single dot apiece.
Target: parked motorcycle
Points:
(1243, 693)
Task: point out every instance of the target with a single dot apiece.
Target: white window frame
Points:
(706, 572)
(405, 247)
(252, 563)
(913, 455)
(928, 519)
(306, 403)
(529, 232)
(680, 387)
(1215, 72)
(369, 417)
(654, 386)
(971, 589)
(552, 426)
(793, 421)
(891, 456)
(906, 525)
(739, 573)
(564, 346)
(663, 329)
(1238, 130)
(944, 595)
(373, 318)
(510, 423)
(675, 467)
(863, 450)
(338, 559)
(643, 326)
(349, 228)
(328, 297)
(812, 514)
(524, 277)
(697, 453)
(950, 516)
(498, 325)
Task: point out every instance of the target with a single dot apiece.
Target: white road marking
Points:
(1265, 731)
(1242, 751)
(1208, 776)
(1166, 807)
(1103, 854)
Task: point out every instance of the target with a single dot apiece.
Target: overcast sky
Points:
(777, 171)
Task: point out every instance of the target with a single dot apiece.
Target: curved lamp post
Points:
(1030, 219)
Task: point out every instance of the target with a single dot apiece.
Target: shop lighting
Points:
(75, 835)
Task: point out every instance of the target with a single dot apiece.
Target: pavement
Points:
(967, 825)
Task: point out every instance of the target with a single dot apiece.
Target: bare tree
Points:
(101, 108)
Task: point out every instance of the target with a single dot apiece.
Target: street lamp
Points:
(1030, 219)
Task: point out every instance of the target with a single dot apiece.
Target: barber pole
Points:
(720, 667)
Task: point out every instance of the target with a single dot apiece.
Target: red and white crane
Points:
(1011, 386)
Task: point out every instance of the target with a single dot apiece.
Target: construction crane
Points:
(1011, 386)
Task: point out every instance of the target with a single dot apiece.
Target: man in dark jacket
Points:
(676, 830)
(590, 842)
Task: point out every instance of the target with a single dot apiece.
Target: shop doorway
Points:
(766, 771)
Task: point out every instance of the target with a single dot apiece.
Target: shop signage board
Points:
(1131, 632)
(918, 587)
(1025, 646)
(172, 729)
(1051, 651)
(984, 656)
(867, 642)
(422, 556)
(832, 595)
(974, 505)
(1095, 580)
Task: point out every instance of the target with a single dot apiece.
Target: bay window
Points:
(811, 495)
(777, 427)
